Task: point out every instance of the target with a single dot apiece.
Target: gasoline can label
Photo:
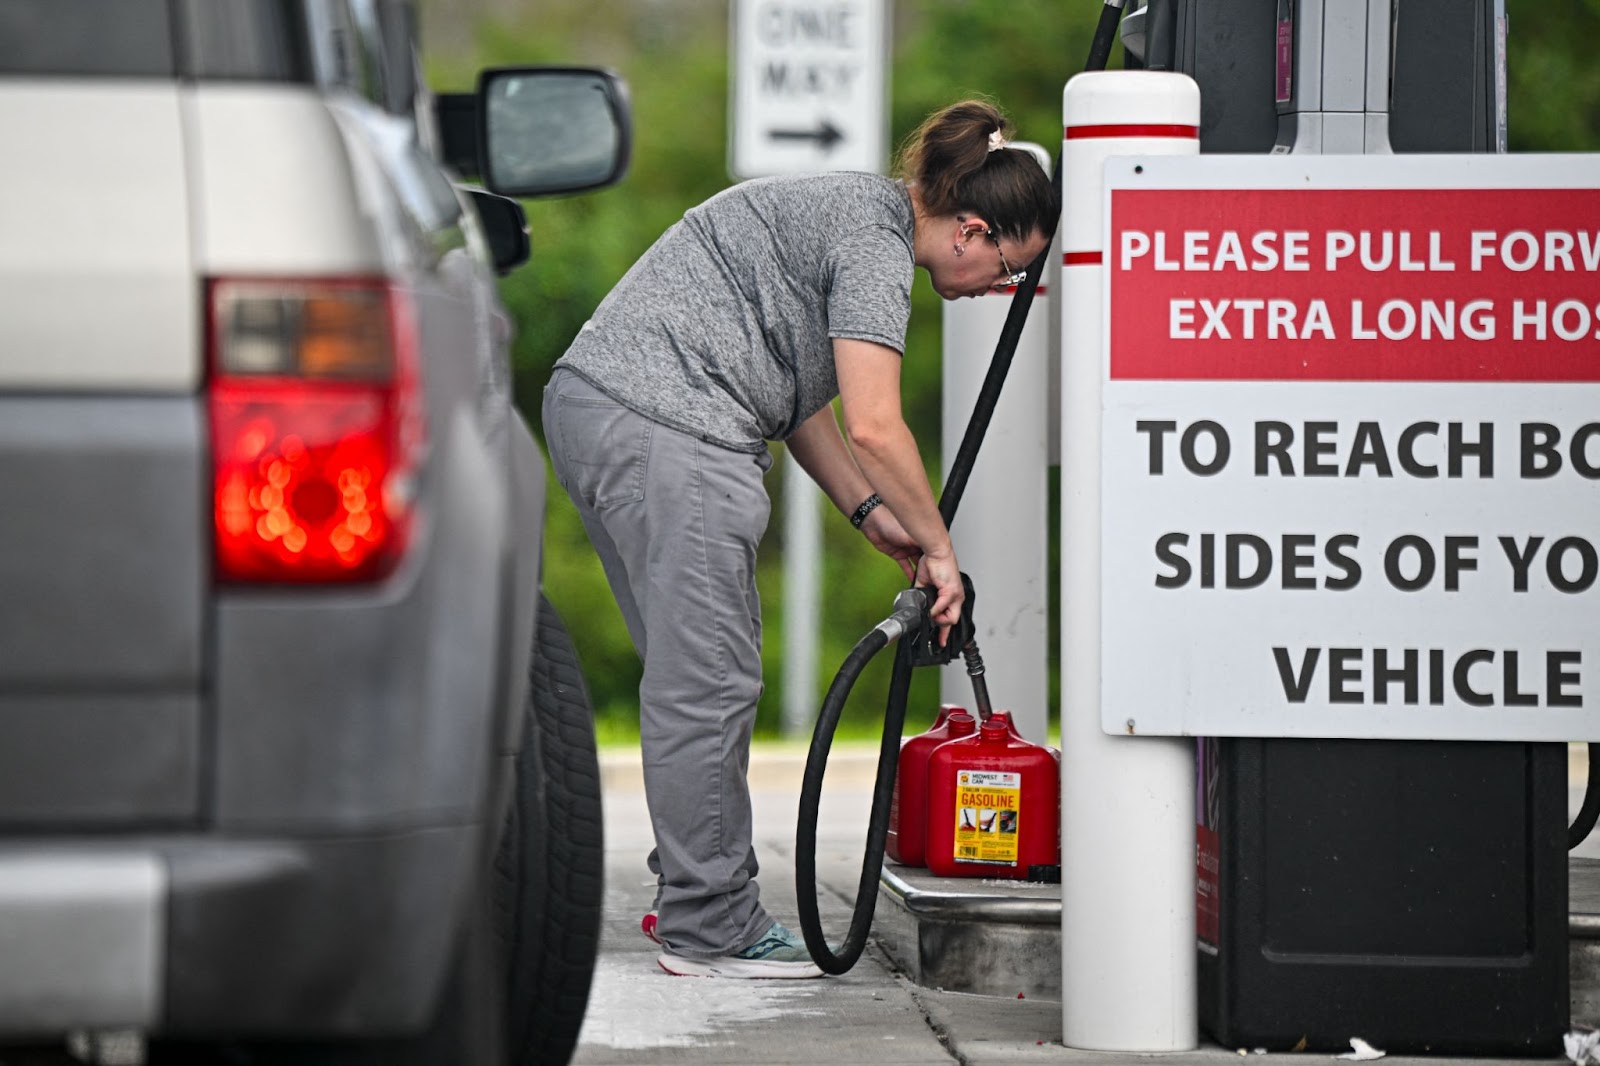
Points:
(988, 805)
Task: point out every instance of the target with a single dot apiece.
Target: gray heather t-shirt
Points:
(722, 329)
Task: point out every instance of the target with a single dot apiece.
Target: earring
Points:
(958, 249)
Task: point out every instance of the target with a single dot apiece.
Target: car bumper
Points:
(196, 937)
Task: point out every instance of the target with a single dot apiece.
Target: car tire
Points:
(520, 985)
(551, 863)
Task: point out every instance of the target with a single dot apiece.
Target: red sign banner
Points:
(1427, 285)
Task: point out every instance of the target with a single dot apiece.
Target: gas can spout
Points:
(980, 687)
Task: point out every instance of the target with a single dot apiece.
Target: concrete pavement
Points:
(638, 1014)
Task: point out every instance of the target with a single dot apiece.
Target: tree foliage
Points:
(1552, 79)
(673, 54)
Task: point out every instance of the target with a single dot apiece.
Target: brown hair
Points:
(949, 161)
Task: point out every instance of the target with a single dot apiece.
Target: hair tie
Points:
(997, 141)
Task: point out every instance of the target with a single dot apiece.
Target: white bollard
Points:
(1001, 530)
(1127, 804)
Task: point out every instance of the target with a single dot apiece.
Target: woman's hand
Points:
(944, 574)
(885, 533)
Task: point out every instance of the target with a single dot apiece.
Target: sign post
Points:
(808, 86)
(807, 95)
(1350, 447)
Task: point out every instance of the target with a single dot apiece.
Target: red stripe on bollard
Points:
(1074, 133)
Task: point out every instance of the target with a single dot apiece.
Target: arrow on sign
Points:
(826, 135)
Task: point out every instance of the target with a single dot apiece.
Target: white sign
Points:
(808, 86)
(1350, 449)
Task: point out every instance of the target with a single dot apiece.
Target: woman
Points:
(739, 326)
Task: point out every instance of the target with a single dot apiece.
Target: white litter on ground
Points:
(1364, 1052)
(1583, 1046)
(634, 1004)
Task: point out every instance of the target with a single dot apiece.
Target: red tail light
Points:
(316, 428)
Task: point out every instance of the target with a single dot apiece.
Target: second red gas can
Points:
(908, 803)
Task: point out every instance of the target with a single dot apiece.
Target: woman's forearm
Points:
(889, 458)
(819, 448)
(881, 442)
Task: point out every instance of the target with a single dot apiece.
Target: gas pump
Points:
(1334, 75)
(1410, 890)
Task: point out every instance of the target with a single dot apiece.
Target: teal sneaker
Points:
(778, 954)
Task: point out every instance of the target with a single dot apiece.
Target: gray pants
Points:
(676, 522)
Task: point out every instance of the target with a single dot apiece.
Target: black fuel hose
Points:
(805, 864)
(805, 845)
(1582, 825)
(805, 872)
(1005, 348)
(1105, 35)
(805, 851)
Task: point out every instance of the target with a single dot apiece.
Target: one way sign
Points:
(808, 86)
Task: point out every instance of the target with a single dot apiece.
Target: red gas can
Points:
(993, 806)
(1005, 716)
(908, 805)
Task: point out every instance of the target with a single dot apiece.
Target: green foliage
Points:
(1553, 81)
(674, 58)
(673, 54)
(674, 61)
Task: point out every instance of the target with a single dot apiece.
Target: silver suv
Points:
(296, 764)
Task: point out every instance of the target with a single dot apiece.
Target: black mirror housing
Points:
(545, 131)
(506, 227)
(456, 115)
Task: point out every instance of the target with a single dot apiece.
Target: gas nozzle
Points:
(910, 619)
(910, 614)
(925, 647)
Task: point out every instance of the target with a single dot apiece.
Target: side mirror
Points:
(547, 130)
(456, 115)
(506, 227)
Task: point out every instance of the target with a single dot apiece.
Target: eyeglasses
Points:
(1013, 277)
